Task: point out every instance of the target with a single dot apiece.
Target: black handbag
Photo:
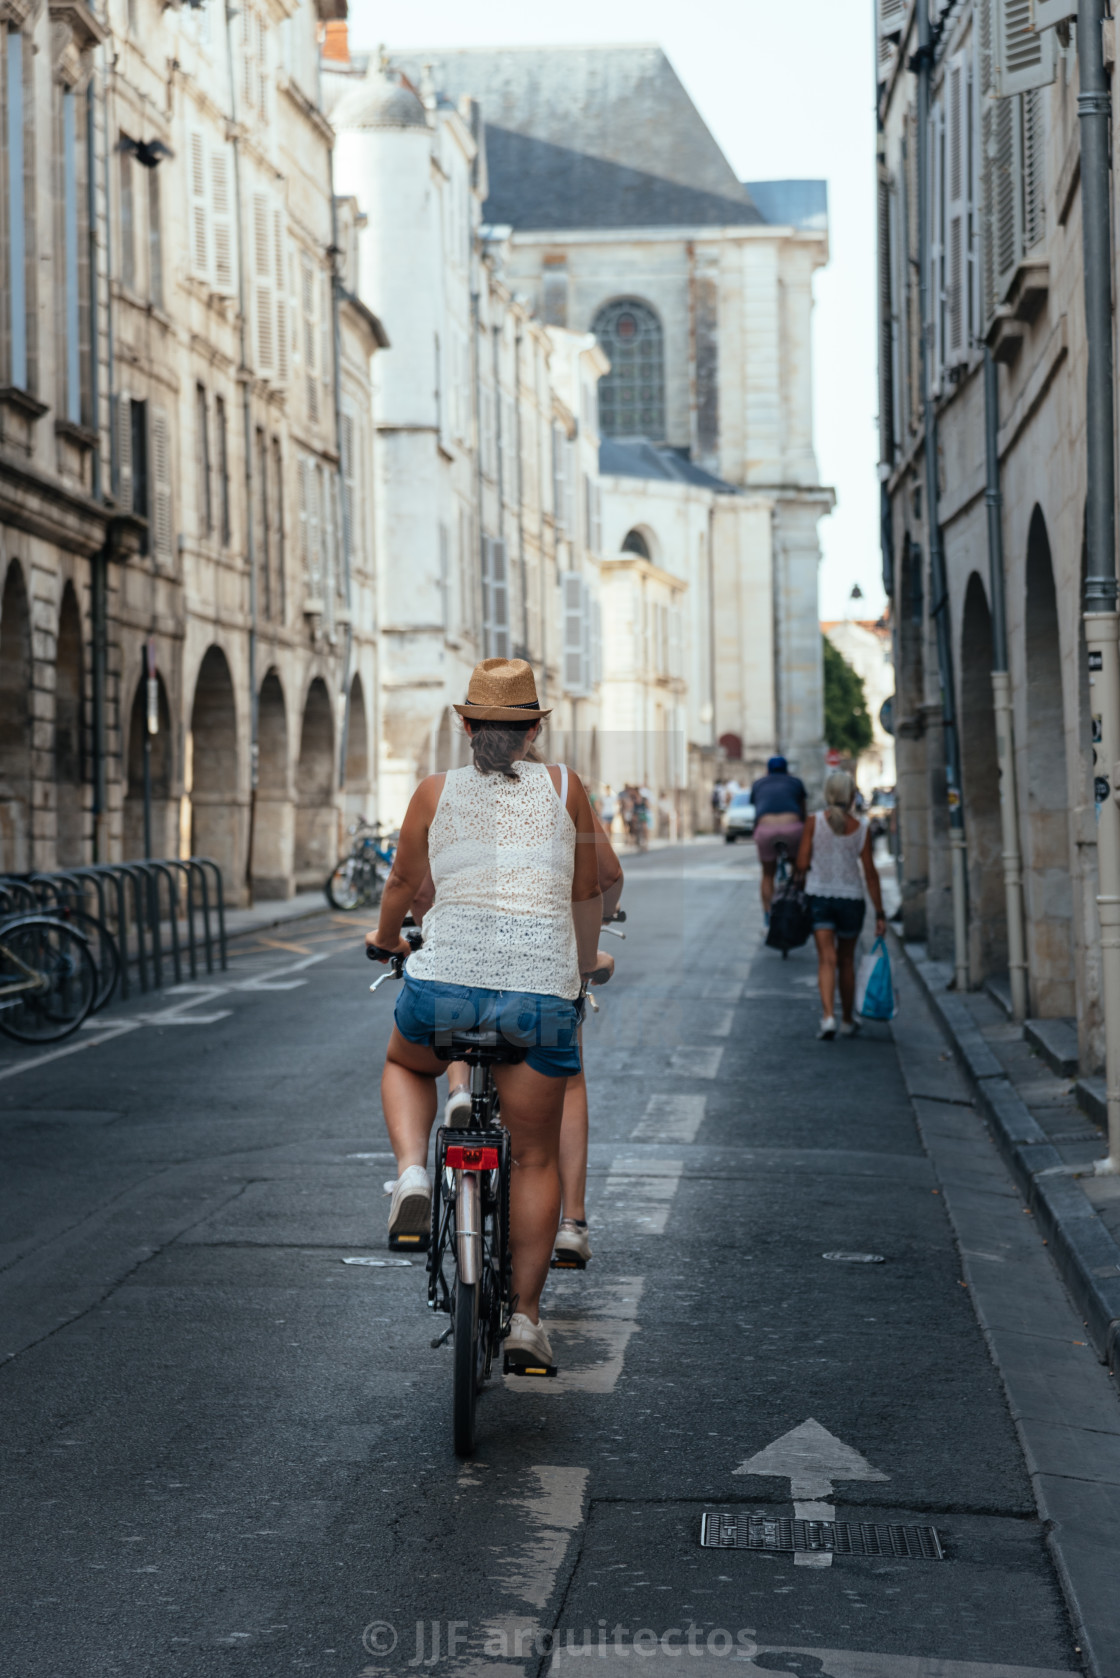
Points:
(791, 919)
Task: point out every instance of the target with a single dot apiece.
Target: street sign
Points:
(832, 757)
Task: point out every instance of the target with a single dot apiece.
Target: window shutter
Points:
(1006, 199)
(315, 527)
(199, 209)
(892, 21)
(987, 113)
(676, 650)
(1034, 182)
(307, 301)
(262, 285)
(221, 206)
(1024, 58)
(162, 542)
(347, 470)
(499, 596)
(122, 426)
(1045, 14)
(326, 329)
(596, 643)
(956, 212)
(485, 558)
(304, 524)
(282, 368)
(937, 242)
(248, 66)
(574, 647)
(262, 67)
(596, 519)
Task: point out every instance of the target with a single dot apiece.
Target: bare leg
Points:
(826, 969)
(766, 889)
(573, 1148)
(408, 1098)
(532, 1107)
(847, 975)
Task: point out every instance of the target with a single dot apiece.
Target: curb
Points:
(1085, 1254)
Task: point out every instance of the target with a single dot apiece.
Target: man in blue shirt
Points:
(779, 806)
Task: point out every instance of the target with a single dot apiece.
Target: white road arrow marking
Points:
(811, 1459)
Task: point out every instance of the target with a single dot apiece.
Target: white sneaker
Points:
(572, 1247)
(827, 1029)
(457, 1109)
(527, 1347)
(410, 1214)
(849, 1028)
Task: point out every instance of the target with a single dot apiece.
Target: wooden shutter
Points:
(161, 534)
(280, 294)
(937, 242)
(499, 598)
(956, 211)
(574, 638)
(1034, 160)
(1007, 202)
(304, 527)
(596, 624)
(892, 21)
(315, 527)
(248, 56)
(486, 564)
(1045, 14)
(263, 288)
(122, 452)
(1024, 57)
(326, 328)
(199, 208)
(221, 204)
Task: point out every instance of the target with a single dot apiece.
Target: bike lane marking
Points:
(670, 1118)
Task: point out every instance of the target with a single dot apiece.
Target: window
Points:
(222, 438)
(632, 395)
(20, 268)
(128, 217)
(75, 259)
(264, 555)
(635, 543)
(579, 653)
(495, 599)
(278, 530)
(205, 503)
(135, 424)
(592, 516)
(211, 212)
(310, 360)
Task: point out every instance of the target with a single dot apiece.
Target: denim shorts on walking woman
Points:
(546, 1026)
(842, 915)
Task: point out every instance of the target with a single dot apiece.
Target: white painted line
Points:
(671, 1118)
(274, 979)
(718, 1023)
(638, 1195)
(810, 1458)
(608, 1325)
(527, 1569)
(117, 1028)
(696, 1062)
(731, 993)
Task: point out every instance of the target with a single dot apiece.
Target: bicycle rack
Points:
(128, 904)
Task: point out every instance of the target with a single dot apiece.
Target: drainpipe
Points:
(1101, 624)
(99, 562)
(923, 63)
(245, 381)
(1001, 697)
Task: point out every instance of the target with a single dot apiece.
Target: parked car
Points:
(739, 818)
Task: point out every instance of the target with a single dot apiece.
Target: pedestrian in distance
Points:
(835, 858)
(717, 806)
(779, 811)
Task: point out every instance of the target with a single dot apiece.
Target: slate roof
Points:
(637, 457)
(589, 137)
(801, 204)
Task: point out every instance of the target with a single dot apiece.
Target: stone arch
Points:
(637, 541)
(987, 906)
(274, 812)
(357, 740)
(215, 793)
(632, 394)
(164, 806)
(1049, 895)
(15, 723)
(316, 821)
(69, 736)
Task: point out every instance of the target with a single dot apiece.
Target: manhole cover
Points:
(780, 1534)
(855, 1258)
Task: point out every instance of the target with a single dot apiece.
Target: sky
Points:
(788, 91)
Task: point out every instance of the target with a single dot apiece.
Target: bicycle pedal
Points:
(533, 1370)
(562, 1260)
(409, 1243)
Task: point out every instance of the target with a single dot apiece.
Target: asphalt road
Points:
(226, 1451)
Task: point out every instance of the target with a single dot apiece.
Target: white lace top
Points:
(835, 869)
(502, 855)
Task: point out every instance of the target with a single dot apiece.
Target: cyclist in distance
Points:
(512, 934)
(779, 806)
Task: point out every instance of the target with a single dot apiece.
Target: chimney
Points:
(336, 44)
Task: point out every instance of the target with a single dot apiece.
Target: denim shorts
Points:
(547, 1026)
(842, 915)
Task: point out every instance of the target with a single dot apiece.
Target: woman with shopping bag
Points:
(835, 858)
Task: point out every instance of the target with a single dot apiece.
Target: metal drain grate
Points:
(778, 1534)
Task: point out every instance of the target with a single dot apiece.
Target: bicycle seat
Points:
(478, 1048)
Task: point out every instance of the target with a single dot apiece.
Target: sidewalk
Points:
(241, 922)
(1047, 1139)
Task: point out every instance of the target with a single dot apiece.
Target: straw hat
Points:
(502, 690)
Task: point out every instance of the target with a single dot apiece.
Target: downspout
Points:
(99, 562)
(247, 426)
(346, 511)
(939, 607)
(1001, 697)
(1101, 623)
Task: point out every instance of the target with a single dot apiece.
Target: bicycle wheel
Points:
(345, 886)
(466, 1344)
(55, 964)
(103, 949)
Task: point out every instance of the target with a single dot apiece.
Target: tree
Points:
(847, 726)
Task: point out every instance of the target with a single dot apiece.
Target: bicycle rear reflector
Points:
(472, 1159)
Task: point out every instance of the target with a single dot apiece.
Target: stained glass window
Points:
(632, 396)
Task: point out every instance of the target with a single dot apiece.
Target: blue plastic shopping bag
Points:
(874, 987)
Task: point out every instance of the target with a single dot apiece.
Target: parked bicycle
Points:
(48, 980)
(359, 879)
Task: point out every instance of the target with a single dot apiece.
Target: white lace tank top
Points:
(502, 855)
(835, 869)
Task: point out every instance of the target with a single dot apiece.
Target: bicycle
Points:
(48, 980)
(470, 1222)
(357, 880)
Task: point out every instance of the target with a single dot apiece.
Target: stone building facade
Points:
(185, 514)
(1006, 270)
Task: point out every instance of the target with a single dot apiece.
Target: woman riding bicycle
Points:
(508, 941)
